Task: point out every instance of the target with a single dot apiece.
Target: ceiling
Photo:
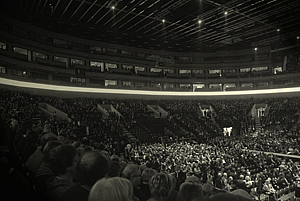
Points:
(139, 23)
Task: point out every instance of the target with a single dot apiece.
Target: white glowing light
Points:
(23, 84)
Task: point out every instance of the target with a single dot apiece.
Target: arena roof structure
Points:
(170, 25)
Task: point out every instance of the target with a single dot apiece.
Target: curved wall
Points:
(69, 58)
(71, 92)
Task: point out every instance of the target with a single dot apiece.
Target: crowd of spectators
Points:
(283, 113)
(87, 157)
(232, 112)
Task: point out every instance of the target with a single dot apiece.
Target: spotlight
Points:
(298, 37)
(199, 21)
(113, 4)
(278, 30)
(226, 12)
(255, 48)
(163, 20)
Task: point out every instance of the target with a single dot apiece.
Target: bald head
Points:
(91, 167)
(46, 138)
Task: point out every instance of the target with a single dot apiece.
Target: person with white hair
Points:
(112, 189)
(133, 174)
(229, 185)
(268, 187)
(248, 182)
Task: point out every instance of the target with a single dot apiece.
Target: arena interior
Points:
(150, 100)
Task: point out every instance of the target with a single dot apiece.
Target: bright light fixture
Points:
(31, 85)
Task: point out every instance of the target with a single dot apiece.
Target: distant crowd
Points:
(88, 156)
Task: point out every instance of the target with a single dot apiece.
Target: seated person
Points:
(268, 187)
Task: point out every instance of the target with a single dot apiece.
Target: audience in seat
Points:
(242, 193)
(268, 187)
(112, 189)
(297, 189)
(62, 161)
(174, 193)
(36, 158)
(44, 173)
(146, 176)
(160, 187)
(239, 160)
(32, 143)
(133, 174)
(21, 137)
(15, 185)
(228, 197)
(91, 167)
(207, 190)
(189, 191)
(114, 169)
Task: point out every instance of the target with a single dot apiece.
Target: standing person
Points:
(112, 189)
(160, 187)
(32, 143)
(36, 158)
(259, 185)
(190, 192)
(174, 193)
(268, 188)
(62, 161)
(219, 182)
(91, 167)
(44, 172)
(20, 139)
(146, 176)
(133, 174)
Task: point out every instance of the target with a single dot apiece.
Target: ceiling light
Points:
(199, 21)
(226, 12)
(255, 48)
(298, 37)
(113, 7)
(278, 30)
(163, 20)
